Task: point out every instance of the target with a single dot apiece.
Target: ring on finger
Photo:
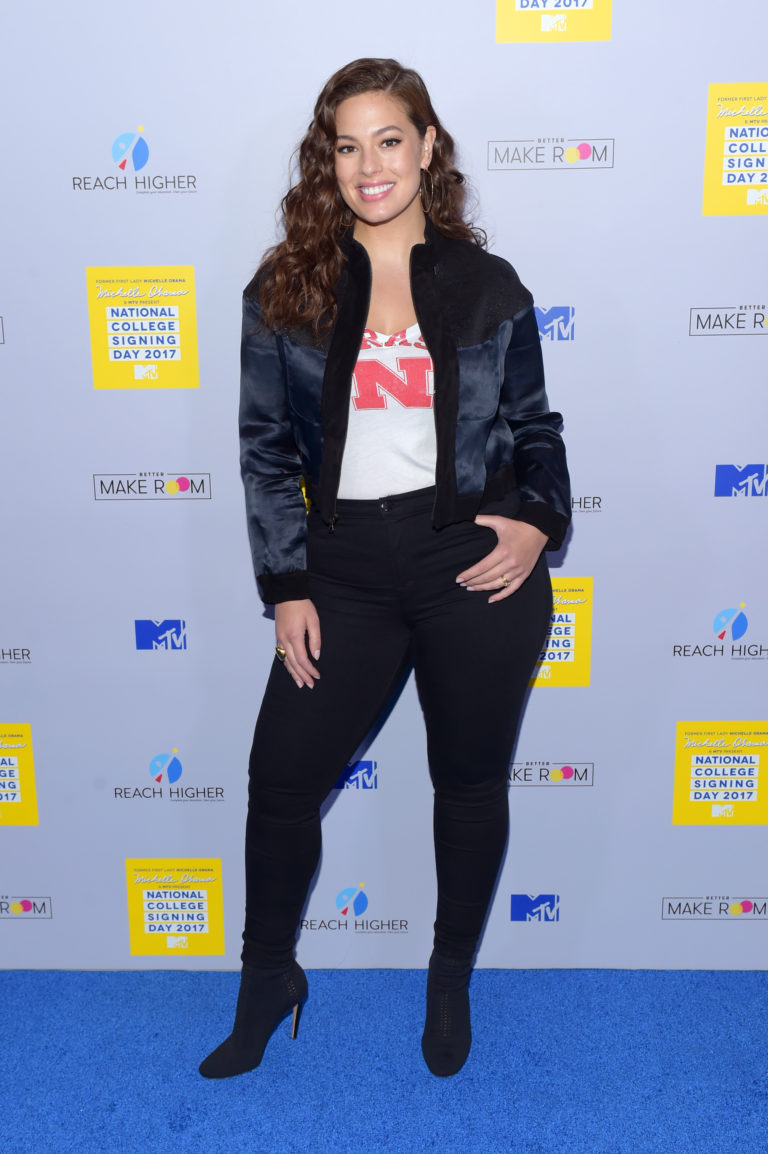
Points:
(280, 652)
(505, 580)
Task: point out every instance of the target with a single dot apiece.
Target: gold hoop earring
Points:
(423, 193)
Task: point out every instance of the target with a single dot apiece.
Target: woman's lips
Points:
(375, 191)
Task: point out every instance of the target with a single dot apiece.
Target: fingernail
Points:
(470, 588)
(316, 654)
(459, 581)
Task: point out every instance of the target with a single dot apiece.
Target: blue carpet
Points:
(563, 1062)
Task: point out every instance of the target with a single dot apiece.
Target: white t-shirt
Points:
(390, 446)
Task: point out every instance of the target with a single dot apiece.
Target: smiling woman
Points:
(379, 168)
(392, 379)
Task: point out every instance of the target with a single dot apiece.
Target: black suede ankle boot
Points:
(447, 1030)
(265, 997)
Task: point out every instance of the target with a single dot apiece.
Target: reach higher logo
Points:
(550, 152)
(130, 156)
(165, 771)
(729, 627)
(351, 904)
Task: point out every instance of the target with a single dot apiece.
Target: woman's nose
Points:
(369, 161)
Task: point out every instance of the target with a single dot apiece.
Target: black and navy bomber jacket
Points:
(499, 449)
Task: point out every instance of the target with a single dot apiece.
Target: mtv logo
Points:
(544, 672)
(554, 23)
(176, 942)
(151, 634)
(757, 196)
(359, 775)
(534, 908)
(145, 372)
(741, 480)
(722, 811)
(556, 323)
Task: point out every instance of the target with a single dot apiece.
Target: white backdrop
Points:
(222, 95)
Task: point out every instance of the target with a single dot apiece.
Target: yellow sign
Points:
(143, 327)
(736, 159)
(717, 773)
(18, 797)
(175, 906)
(566, 654)
(552, 21)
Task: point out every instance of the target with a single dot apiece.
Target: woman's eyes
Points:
(390, 142)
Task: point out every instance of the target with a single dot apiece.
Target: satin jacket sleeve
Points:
(270, 465)
(539, 453)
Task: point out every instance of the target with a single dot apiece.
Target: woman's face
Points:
(379, 157)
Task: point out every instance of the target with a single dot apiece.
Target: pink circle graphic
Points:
(26, 905)
(567, 771)
(746, 907)
(183, 483)
(585, 151)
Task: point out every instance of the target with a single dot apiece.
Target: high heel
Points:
(264, 999)
(447, 1034)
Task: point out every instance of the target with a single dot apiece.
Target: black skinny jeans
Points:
(384, 585)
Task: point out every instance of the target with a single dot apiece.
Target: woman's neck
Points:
(391, 243)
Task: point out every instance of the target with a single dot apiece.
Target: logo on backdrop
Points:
(556, 323)
(542, 21)
(18, 794)
(152, 486)
(165, 771)
(563, 774)
(550, 152)
(130, 156)
(717, 773)
(25, 908)
(168, 634)
(359, 775)
(736, 151)
(175, 905)
(566, 657)
(586, 504)
(714, 909)
(730, 625)
(351, 903)
(143, 327)
(741, 480)
(15, 655)
(734, 321)
(352, 899)
(534, 908)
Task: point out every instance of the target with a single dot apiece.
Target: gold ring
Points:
(280, 652)
(505, 580)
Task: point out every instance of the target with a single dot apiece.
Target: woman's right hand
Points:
(297, 629)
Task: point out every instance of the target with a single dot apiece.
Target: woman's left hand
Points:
(507, 566)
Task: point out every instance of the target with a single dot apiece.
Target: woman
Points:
(392, 372)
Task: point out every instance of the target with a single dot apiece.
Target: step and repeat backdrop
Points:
(619, 158)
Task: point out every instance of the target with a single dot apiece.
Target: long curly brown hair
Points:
(297, 278)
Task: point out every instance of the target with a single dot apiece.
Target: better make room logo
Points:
(159, 485)
(555, 773)
(729, 321)
(550, 152)
(130, 156)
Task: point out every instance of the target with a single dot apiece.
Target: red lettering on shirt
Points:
(373, 383)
